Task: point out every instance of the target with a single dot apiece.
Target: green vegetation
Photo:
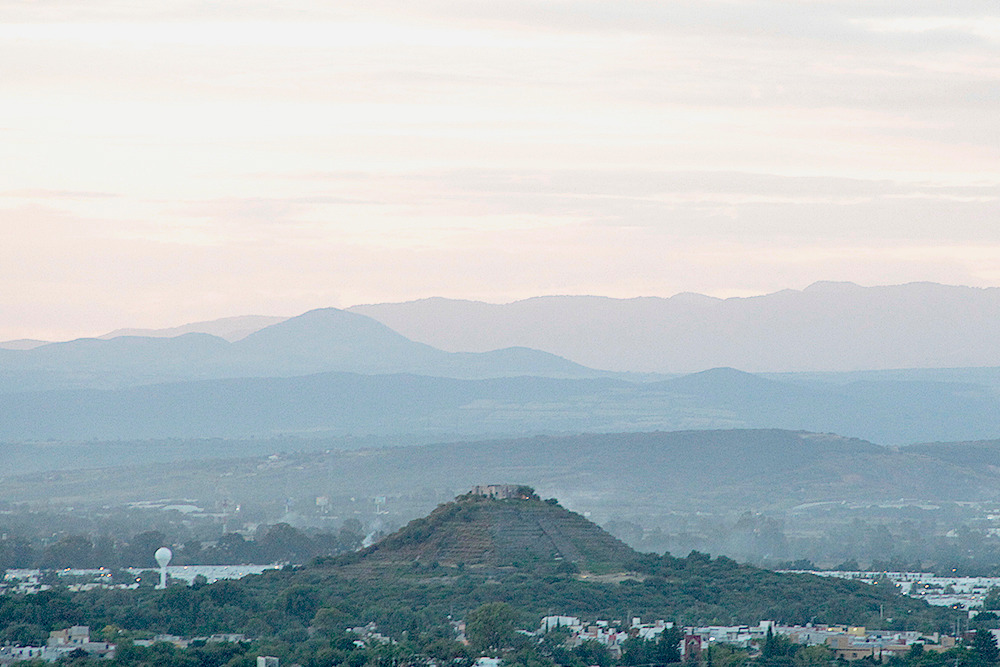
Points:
(402, 587)
(277, 543)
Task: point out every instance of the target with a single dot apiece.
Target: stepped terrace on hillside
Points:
(502, 526)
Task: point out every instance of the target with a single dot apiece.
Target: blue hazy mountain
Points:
(337, 372)
(347, 404)
(826, 327)
(318, 341)
(327, 403)
(229, 328)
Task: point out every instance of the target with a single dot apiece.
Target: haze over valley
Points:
(832, 446)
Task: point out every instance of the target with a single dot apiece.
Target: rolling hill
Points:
(644, 473)
(888, 412)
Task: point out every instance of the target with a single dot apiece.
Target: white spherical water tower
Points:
(163, 556)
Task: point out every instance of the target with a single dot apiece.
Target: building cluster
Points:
(184, 642)
(965, 593)
(23, 581)
(77, 638)
(503, 491)
(847, 642)
(60, 644)
(854, 643)
(603, 632)
(369, 636)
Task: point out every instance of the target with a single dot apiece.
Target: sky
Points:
(173, 161)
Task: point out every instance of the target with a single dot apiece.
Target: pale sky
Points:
(171, 161)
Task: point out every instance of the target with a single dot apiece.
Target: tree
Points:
(24, 634)
(444, 649)
(668, 647)
(139, 552)
(352, 534)
(986, 620)
(70, 551)
(777, 650)
(985, 646)
(282, 542)
(593, 653)
(329, 621)
(915, 653)
(490, 627)
(727, 655)
(16, 552)
(635, 651)
(232, 549)
(302, 601)
(817, 655)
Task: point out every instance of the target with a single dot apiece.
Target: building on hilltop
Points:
(505, 491)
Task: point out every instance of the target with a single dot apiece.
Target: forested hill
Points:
(414, 594)
(540, 557)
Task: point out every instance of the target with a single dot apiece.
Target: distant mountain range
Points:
(348, 404)
(825, 327)
(229, 328)
(331, 372)
(318, 341)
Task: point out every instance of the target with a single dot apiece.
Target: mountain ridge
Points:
(321, 340)
(340, 404)
(230, 328)
(828, 326)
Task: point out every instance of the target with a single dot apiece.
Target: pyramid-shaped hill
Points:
(480, 531)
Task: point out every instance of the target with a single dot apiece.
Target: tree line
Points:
(277, 543)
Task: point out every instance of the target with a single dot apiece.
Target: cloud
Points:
(42, 193)
(203, 159)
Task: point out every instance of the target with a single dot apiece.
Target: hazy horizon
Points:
(129, 328)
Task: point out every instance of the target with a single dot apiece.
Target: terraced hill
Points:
(482, 532)
(539, 557)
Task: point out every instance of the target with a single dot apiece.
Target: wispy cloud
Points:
(175, 160)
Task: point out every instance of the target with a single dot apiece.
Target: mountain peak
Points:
(325, 327)
(723, 376)
(833, 286)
